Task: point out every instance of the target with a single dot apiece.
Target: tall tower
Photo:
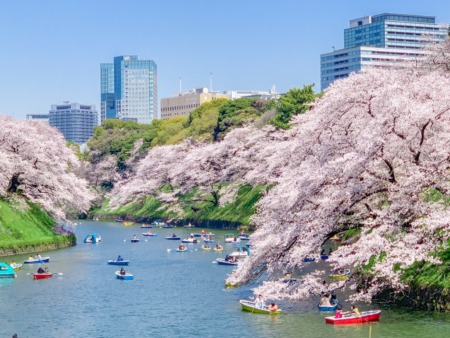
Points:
(129, 89)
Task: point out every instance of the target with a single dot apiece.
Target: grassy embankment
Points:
(195, 205)
(29, 230)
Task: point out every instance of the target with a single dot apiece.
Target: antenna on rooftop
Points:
(210, 82)
(180, 85)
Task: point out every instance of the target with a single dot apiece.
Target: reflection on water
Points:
(173, 295)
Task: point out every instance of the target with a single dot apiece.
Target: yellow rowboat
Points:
(127, 224)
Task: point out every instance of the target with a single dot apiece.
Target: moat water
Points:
(172, 295)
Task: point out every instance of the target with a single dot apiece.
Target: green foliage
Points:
(116, 137)
(366, 269)
(29, 227)
(294, 102)
(435, 196)
(235, 113)
(426, 275)
(196, 204)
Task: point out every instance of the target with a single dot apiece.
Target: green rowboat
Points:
(250, 307)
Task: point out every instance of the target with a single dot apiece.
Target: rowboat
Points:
(308, 259)
(147, 234)
(16, 266)
(167, 226)
(206, 247)
(323, 257)
(37, 261)
(190, 240)
(232, 238)
(6, 271)
(134, 240)
(366, 316)
(173, 238)
(146, 226)
(250, 307)
(126, 276)
(181, 249)
(339, 277)
(127, 224)
(328, 308)
(218, 248)
(93, 238)
(43, 275)
(222, 261)
(240, 252)
(116, 262)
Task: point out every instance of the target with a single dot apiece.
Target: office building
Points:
(75, 121)
(384, 40)
(38, 117)
(183, 103)
(129, 89)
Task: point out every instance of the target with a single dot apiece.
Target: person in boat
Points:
(322, 253)
(46, 269)
(122, 271)
(259, 302)
(333, 298)
(338, 313)
(206, 246)
(181, 247)
(174, 235)
(134, 237)
(149, 232)
(41, 270)
(31, 258)
(272, 307)
(324, 288)
(203, 232)
(38, 257)
(330, 251)
(119, 258)
(325, 300)
(355, 311)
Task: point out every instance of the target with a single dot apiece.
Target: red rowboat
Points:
(43, 275)
(367, 316)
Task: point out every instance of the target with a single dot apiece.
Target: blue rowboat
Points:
(37, 261)
(6, 271)
(167, 226)
(127, 276)
(329, 308)
(146, 226)
(171, 238)
(323, 257)
(115, 262)
(222, 261)
(308, 259)
(147, 234)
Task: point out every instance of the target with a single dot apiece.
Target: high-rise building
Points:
(38, 117)
(183, 103)
(129, 89)
(75, 121)
(383, 40)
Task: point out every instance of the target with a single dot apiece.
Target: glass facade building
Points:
(129, 89)
(75, 121)
(380, 40)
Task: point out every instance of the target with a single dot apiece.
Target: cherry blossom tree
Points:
(362, 159)
(36, 163)
(367, 153)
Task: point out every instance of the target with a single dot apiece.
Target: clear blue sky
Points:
(51, 50)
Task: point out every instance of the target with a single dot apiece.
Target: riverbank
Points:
(26, 228)
(229, 207)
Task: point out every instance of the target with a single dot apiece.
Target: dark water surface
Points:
(173, 295)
